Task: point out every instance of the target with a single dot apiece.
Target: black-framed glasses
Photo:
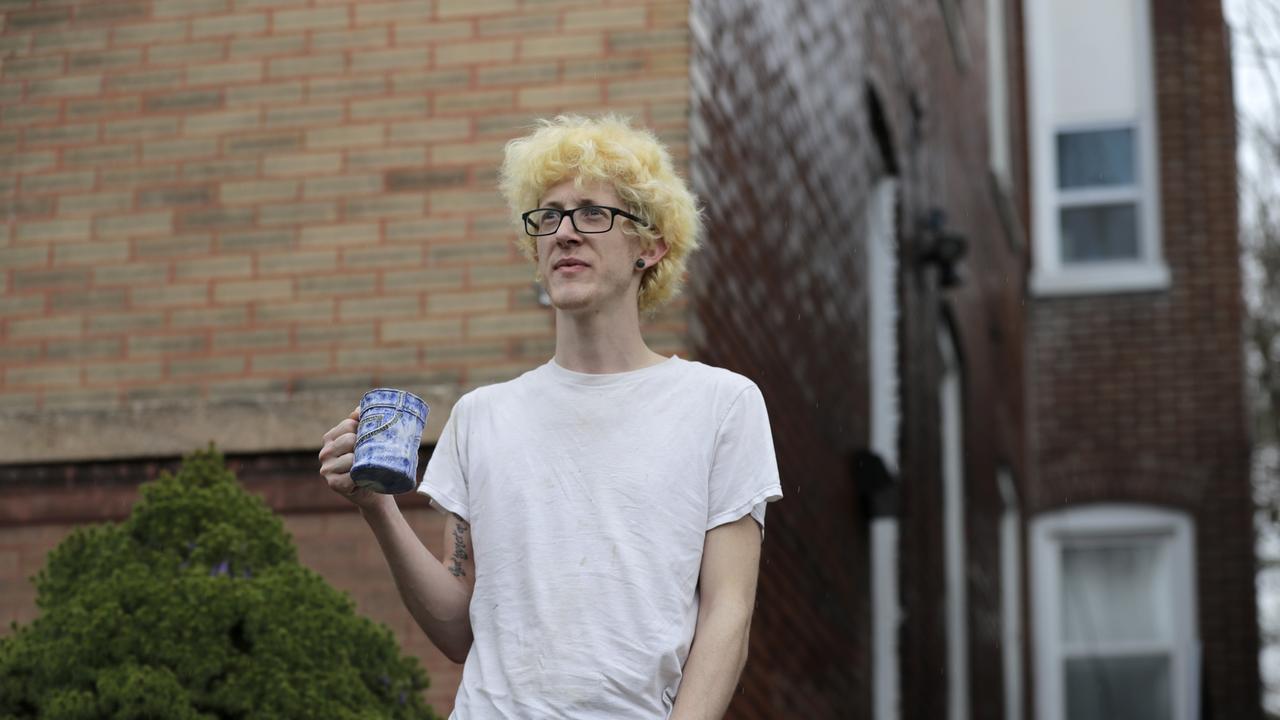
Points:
(585, 219)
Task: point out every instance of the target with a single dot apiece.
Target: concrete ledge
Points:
(105, 490)
(269, 422)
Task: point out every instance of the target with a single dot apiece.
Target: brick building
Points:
(990, 294)
(1138, 501)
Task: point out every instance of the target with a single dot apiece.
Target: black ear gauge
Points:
(640, 264)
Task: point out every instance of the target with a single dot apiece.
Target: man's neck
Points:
(597, 342)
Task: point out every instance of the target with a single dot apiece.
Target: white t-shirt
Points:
(589, 498)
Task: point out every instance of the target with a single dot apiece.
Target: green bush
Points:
(196, 607)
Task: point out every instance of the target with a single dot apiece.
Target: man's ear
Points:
(654, 252)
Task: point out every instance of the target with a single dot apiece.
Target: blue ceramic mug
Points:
(387, 440)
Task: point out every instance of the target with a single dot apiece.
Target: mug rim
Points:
(407, 402)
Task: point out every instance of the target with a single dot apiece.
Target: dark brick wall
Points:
(784, 153)
(1140, 397)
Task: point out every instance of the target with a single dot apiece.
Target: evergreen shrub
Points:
(195, 606)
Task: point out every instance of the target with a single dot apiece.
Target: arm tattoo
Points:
(459, 548)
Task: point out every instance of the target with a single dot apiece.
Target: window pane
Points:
(1119, 688)
(1114, 592)
(1099, 232)
(1096, 158)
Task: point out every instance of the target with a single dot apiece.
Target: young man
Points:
(605, 510)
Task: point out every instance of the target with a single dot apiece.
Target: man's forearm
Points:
(715, 661)
(438, 600)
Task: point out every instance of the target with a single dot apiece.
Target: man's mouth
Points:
(569, 263)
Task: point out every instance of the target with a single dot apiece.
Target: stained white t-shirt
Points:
(589, 498)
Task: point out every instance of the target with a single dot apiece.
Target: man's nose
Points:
(565, 231)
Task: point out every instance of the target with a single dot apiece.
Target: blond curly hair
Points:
(634, 162)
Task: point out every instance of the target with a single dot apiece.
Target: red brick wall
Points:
(785, 158)
(22, 551)
(1140, 397)
(218, 201)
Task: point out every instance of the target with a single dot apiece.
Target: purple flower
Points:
(222, 568)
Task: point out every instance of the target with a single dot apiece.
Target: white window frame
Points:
(882, 320)
(1011, 594)
(886, 617)
(1050, 276)
(999, 137)
(998, 143)
(951, 418)
(1049, 532)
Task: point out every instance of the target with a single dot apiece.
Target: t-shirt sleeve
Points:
(445, 480)
(744, 471)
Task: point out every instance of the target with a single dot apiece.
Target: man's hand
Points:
(336, 457)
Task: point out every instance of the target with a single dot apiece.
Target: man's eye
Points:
(592, 213)
(548, 219)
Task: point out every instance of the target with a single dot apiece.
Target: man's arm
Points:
(436, 592)
(727, 588)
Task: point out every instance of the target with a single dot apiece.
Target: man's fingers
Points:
(344, 444)
(335, 431)
(342, 484)
(346, 426)
(337, 455)
(341, 464)
(337, 472)
(337, 464)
